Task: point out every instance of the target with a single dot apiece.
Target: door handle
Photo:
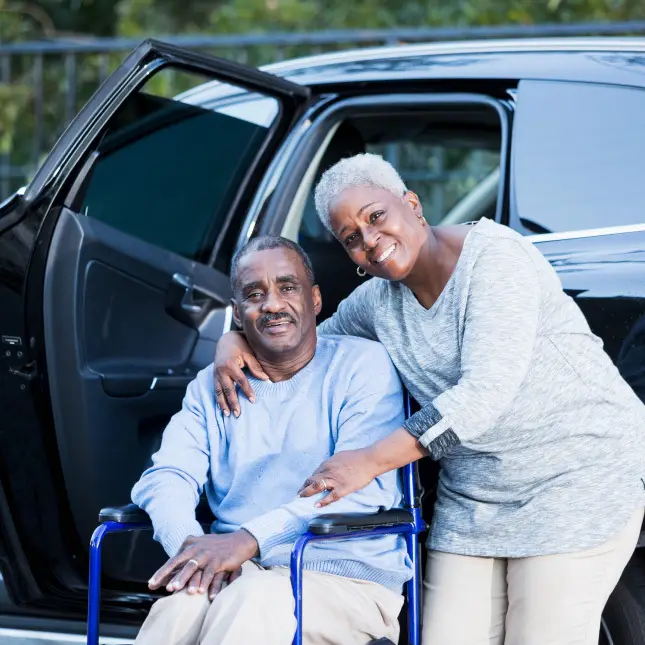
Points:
(182, 303)
(187, 302)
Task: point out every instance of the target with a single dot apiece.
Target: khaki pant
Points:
(546, 600)
(257, 609)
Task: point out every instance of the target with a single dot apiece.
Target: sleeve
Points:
(500, 329)
(372, 409)
(170, 489)
(355, 314)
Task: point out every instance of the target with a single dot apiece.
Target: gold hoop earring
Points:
(361, 272)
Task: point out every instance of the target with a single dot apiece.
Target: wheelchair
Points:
(406, 521)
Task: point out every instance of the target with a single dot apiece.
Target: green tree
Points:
(25, 136)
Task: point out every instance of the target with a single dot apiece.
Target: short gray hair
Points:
(267, 243)
(365, 169)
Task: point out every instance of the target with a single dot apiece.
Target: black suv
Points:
(114, 259)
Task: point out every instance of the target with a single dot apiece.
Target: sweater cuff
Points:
(273, 529)
(433, 431)
(172, 540)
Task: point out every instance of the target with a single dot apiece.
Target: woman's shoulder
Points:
(496, 241)
(487, 230)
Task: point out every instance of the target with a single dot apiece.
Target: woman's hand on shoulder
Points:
(232, 355)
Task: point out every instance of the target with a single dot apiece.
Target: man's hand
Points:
(209, 555)
(195, 583)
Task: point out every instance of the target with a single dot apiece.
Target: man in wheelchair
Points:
(322, 395)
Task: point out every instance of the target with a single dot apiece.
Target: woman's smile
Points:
(385, 255)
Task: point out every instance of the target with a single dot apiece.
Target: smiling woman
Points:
(373, 221)
(511, 381)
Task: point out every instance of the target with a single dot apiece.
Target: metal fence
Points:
(45, 83)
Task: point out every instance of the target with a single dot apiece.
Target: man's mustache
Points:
(269, 318)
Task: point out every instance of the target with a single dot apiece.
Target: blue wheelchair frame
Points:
(338, 527)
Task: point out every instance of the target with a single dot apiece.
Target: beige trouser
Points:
(257, 609)
(545, 600)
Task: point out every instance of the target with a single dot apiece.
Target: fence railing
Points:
(43, 84)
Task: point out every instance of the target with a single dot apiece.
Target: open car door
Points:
(114, 297)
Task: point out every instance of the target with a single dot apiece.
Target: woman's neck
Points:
(436, 262)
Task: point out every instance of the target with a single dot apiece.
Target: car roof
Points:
(619, 61)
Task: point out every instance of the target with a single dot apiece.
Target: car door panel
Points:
(118, 364)
(604, 273)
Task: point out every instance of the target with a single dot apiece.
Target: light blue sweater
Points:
(347, 397)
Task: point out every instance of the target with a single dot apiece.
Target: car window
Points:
(441, 173)
(577, 158)
(168, 169)
(456, 182)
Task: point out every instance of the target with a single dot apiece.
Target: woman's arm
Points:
(232, 355)
(351, 470)
(355, 314)
(499, 337)
(500, 330)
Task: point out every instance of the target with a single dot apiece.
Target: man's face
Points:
(275, 303)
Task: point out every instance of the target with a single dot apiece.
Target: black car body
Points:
(114, 259)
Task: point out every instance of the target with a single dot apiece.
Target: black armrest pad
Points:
(128, 514)
(336, 523)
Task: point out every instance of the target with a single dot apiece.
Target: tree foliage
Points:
(26, 135)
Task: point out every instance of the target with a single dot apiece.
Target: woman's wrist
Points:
(379, 458)
(394, 451)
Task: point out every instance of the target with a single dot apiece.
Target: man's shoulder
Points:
(353, 346)
(351, 354)
(202, 387)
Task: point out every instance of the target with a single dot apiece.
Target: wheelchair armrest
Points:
(336, 523)
(128, 514)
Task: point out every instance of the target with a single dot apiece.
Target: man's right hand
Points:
(231, 356)
(219, 579)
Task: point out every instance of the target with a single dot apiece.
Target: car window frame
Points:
(309, 141)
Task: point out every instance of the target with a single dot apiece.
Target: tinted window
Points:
(578, 156)
(169, 167)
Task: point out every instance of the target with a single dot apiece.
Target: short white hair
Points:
(365, 169)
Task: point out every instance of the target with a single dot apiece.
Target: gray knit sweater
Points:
(541, 441)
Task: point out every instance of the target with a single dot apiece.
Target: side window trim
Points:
(588, 232)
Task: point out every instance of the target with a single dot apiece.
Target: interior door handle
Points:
(181, 301)
(187, 302)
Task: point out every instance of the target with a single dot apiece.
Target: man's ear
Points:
(236, 314)
(315, 292)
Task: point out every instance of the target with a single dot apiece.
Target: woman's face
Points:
(381, 232)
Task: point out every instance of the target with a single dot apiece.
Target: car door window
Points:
(173, 159)
(577, 158)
